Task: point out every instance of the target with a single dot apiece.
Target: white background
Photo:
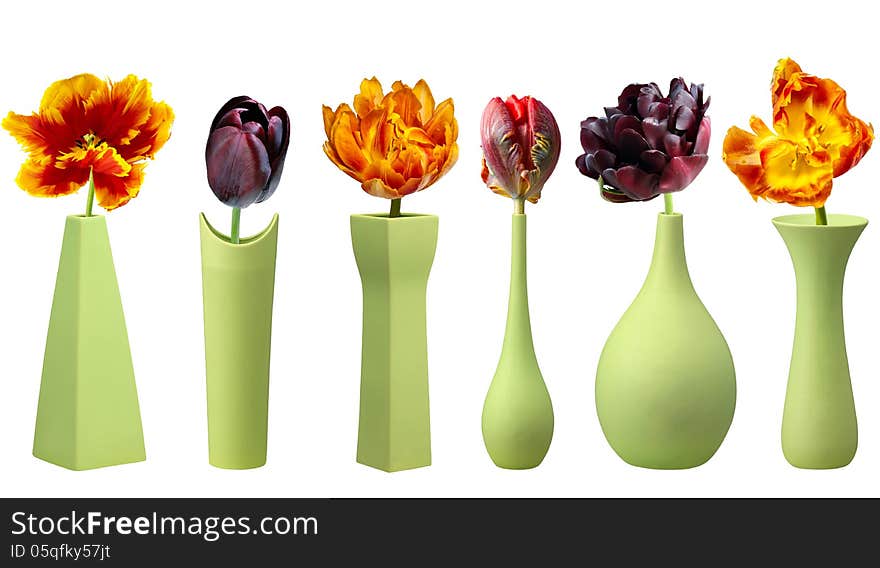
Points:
(587, 257)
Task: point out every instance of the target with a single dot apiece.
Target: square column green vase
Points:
(238, 288)
(394, 257)
(88, 414)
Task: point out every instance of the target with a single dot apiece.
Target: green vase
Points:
(819, 428)
(394, 258)
(517, 413)
(88, 414)
(665, 386)
(238, 286)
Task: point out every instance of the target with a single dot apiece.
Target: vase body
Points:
(517, 418)
(665, 386)
(88, 414)
(238, 287)
(394, 258)
(819, 428)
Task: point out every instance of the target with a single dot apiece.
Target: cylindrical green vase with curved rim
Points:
(518, 414)
(819, 429)
(238, 287)
(665, 386)
(394, 257)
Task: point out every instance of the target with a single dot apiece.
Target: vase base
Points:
(517, 467)
(666, 465)
(87, 467)
(392, 468)
(818, 465)
(232, 467)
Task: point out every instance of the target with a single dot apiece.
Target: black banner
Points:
(417, 532)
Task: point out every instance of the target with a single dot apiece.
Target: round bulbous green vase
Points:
(819, 429)
(665, 385)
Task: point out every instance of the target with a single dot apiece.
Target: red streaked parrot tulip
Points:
(520, 140)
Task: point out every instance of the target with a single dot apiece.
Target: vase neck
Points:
(819, 255)
(519, 331)
(668, 264)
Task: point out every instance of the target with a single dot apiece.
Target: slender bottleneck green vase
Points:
(394, 258)
(238, 287)
(819, 428)
(665, 386)
(88, 414)
(517, 413)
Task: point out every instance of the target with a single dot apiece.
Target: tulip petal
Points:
(742, 157)
(43, 179)
(653, 161)
(442, 128)
(704, 133)
(545, 142)
(329, 116)
(238, 166)
(233, 103)
(636, 183)
(369, 98)
(346, 144)
(685, 119)
(582, 164)
(681, 171)
(423, 93)
(599, 162)
(655, 132)
(278, 140)
(501, 149)
(630, 145)
(590, 141)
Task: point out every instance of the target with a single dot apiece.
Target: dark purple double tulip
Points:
(245, 152)
(649, 143)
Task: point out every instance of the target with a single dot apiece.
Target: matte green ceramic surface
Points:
(665, 387)
(517, 413)
(394, 257)
(88, 414)
(819, 428)
(238, 286)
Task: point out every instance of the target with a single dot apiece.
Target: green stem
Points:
(821, 217)
(519, 206)
(91, 197)
(236, 226)
(395, 207)
(667, 201)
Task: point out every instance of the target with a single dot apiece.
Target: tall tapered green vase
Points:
(238, 287)
(819, 429)
(665, 386)
(517, 414)
(88, 414)
(394, 258)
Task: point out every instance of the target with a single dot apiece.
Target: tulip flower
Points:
(521, 143)
(814, 139)
(394, 144)
(245, 154)
(649, 144)
(88, 130)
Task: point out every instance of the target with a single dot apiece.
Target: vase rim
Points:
(86, 218)
(385, 217)
(808, 221)
(244, 241)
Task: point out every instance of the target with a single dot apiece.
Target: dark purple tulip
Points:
(245, 151)
(649, 143)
